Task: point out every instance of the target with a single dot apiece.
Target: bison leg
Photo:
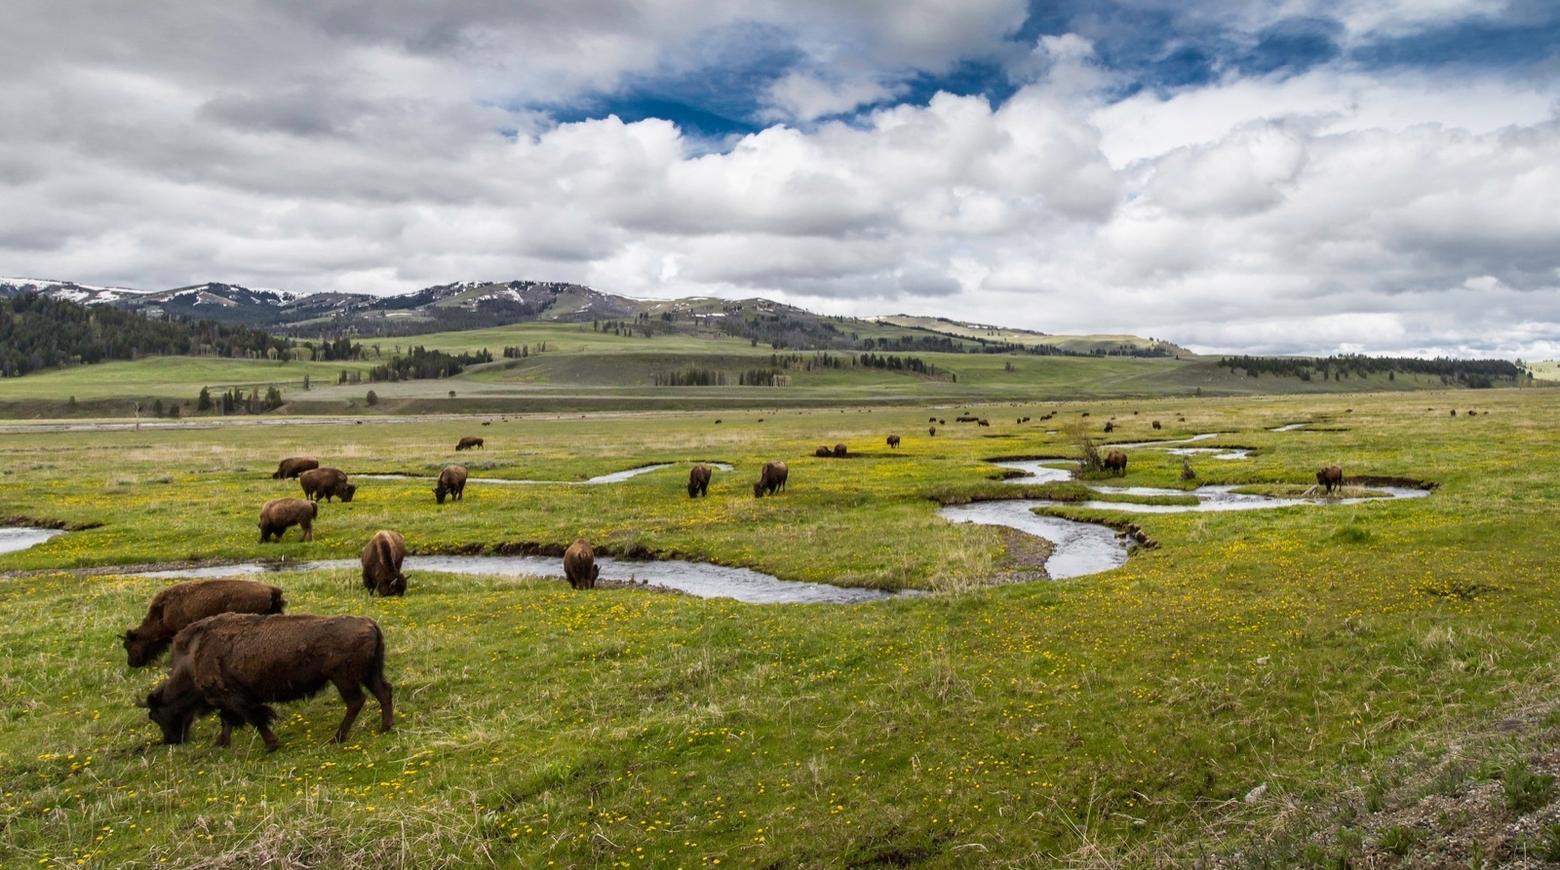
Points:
(225, 736)
(353, 697)
(308, 531)
(381, 688)
(260, 717)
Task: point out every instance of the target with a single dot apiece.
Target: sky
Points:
(1295, 176)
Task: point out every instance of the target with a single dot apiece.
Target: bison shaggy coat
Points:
(326, 483)
(839, 451)
(294, 466)
(452, 483)
(468, 442)
(280, 514)
(698, 480)
(382, 558)
(191, 601)
(771, 480)
(579, 565)
(1329, 478)
(236, 664)
(1115, 462)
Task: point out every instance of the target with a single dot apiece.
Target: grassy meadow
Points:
(1250, 692)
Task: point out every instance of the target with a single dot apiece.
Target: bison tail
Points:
(376, 665)
(278, 603)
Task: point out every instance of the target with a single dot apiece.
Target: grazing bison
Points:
(1329, 478)
(280, 514)
(579, 565)
(326, 483)
(823, 451)
(468, 442)
(986, 423)
(942, 422)
(931, 419)
(1115, 462)
(771, 480)
(452, 483)
(839, 451)
(932, 431)
(382, 558)
(1156, 424)
(294, 466)
(237, 663)
(965, 418)
(893, 441)
(183, 603)
(699, 480)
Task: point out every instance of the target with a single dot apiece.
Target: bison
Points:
(1156, 424)
(280, 514)
(771, 480)
(326, 483)
(931, 419)
(1115, 462)
(237, 663)
(579, 565)
(468, 443)
(893, 441)
(294, 466)
(183, 603)
(931, 431)
(699, 481)
(839, 451)
(1329, 478)
(986, 423)
(452, 483)
(382, 558)
(1109, 426)
(823, 451)
(1186, 471)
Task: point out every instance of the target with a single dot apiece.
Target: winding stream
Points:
(17, 538)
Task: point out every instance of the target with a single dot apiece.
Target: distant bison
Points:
(579, 565)
(236, 663)
(932, 431)
(280, 514)
(382, 558)
(1115, 462)
(965, 418)
(986, 423)
(823, 451)
(771, 480)
(699, 481)
(452, 483)
(931, 419)
(1109, 426)
(893, 441)
(468, 443)
(942, 422)
(839, 451)
(1454, 412)
(326, 483)
(1329, 478)
(1156, 424)
(183, 603)
(294, 466)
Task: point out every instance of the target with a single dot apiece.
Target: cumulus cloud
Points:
(387, 147)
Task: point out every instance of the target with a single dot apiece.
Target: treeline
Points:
(233, 401)
(37, 332)
(897, 363)
(1477, 373)
(420, 363)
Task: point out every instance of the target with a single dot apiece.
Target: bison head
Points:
(348, 491)
(758, 489)
(173, 711)
(141, 649)
(439, 492)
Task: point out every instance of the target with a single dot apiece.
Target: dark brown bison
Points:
(579, 565)
(942, 422)
(468, 443)
(771, 480)
(326, 483)
(893, 441)
(183, 603)
(823, 451)
(839, 451)
(932, 431)
(280, 514)
(237, 663)
(1109, 426)
(986, 423)
(294, 466)
(699, 481)
(965, 418)
(1454, 412)
(1329, 478)
(452, 483)
(1115, 462)
(382, 558)
(1156, 424)
(931, 419)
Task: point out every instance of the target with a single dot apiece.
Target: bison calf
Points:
(235, 664)
(184, 603)
(382, 558)
(579, 565)
(452, 483)
(280, 514)
(699, 480)
(326, 483)
(294, 466)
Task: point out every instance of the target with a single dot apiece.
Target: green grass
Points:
(1114, 718)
